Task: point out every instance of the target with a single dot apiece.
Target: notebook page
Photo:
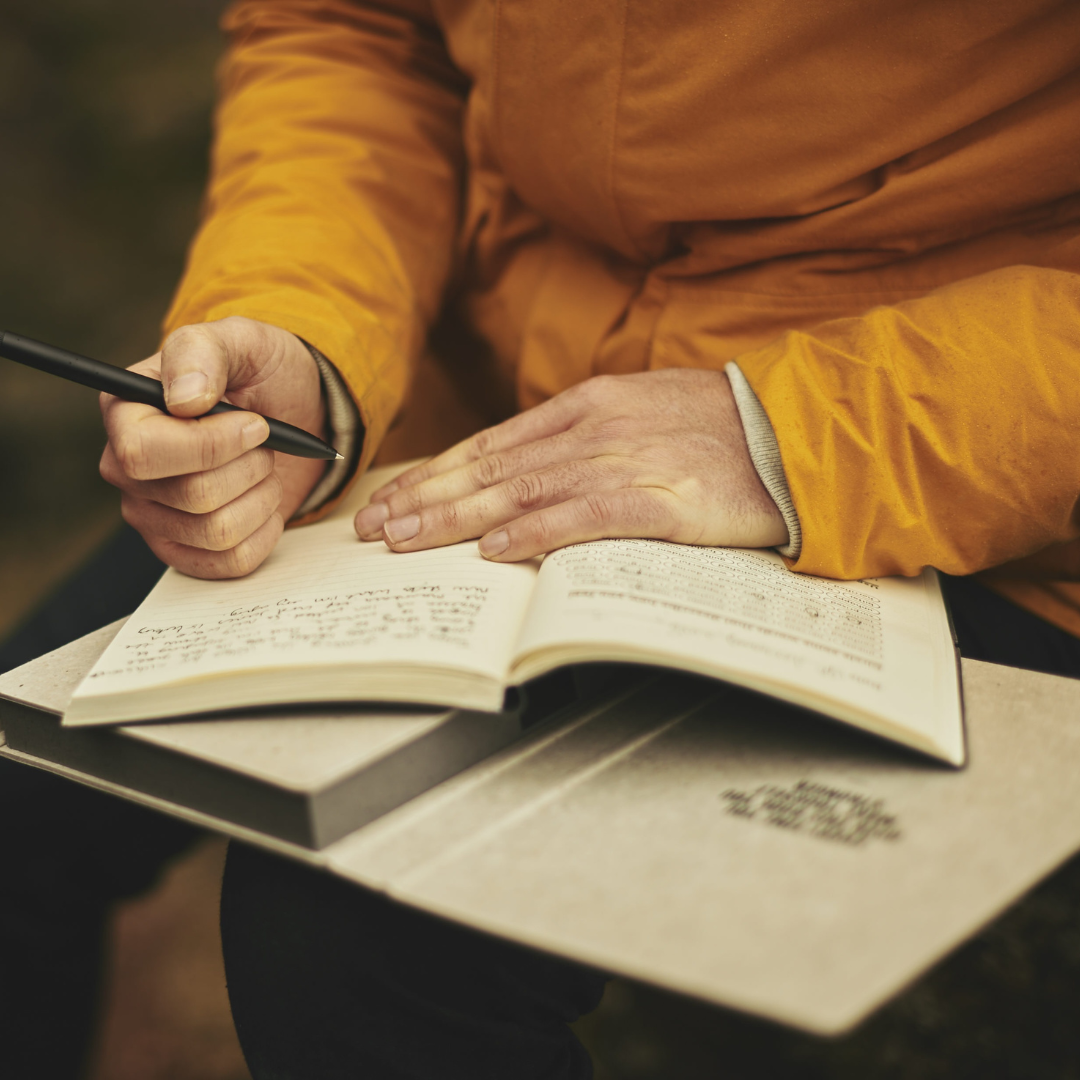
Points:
(879, 646)
(323, 597)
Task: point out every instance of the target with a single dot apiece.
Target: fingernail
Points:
(254, 433)
(371, 518)
(494, 543)
(399, 529)
(187, 388)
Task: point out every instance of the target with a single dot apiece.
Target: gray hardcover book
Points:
(303, 777)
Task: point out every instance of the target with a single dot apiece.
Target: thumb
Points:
(194, 370)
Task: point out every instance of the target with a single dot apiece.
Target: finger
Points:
(476, 514)
(195, 493)
(150, 367)
(550, 418)
(199, 362)
(485, 472)
(237, 562)
(149, 445)
(220, 530)
(195, 369)
(627, 512)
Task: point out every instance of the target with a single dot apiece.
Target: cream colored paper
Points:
(434, 627)
(328, 618)
(876, 653)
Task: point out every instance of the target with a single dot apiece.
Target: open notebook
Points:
(330, 619)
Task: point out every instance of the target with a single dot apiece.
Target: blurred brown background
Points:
(104, 121)
(104, 126)
(104, 129)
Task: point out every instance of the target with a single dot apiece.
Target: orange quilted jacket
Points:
(873, 207)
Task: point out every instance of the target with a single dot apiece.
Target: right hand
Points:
(203, 494)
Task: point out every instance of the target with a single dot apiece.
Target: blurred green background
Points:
(104, 128)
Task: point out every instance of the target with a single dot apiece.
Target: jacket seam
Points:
(616, 208)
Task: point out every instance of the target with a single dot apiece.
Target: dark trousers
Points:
(326, 980)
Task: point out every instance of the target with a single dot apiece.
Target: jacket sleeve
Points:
(334, 190)
(941, 431)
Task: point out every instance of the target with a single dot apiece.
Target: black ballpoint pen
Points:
(134, 387)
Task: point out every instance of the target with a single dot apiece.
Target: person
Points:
(733, 273)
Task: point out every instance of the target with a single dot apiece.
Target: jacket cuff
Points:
(765, 454)
(346, 435)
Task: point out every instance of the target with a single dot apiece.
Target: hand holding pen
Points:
(207, 494)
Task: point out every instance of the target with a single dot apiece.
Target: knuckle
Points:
(450, 517)
(241, 560)
(263, 461)
(527, 491)
(107, 467)
(222, 530)
(213, 447)
(597, 389)
(489, 471)
(198, 493)
(275, 489)
(484, 442)
(596, 508)
(132, 454)
(540, 532)
(236, 563)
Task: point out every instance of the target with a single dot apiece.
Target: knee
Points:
(317, 966)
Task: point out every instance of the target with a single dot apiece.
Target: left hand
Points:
(658, 455)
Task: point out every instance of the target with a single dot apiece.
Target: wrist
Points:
(765, 456)
(344, 430)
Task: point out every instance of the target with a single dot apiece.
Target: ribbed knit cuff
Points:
(765, 454)
(346, 435)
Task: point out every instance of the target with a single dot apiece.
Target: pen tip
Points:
(340, 457)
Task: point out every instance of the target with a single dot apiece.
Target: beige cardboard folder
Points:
(707, 839)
